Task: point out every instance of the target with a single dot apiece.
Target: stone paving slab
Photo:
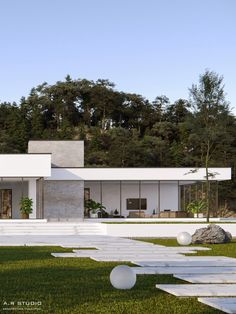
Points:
(63, 255)
(132, 255)
(111, 256)
(132, 250)
(189, 263)
(183, 270)
(147, 253)
(199, 290)
(200, 248)
(7, 240)
(107, 258)
(208, 278)
(144, 249)
(76, 246)
(159, 260)
(227, 305)
(154, 247)
(210, 259)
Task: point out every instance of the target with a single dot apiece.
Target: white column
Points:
(32, 194)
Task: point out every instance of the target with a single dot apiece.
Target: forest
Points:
(127, 130)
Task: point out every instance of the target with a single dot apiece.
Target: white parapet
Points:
(132, 174)
(25, 165)
(159, 230)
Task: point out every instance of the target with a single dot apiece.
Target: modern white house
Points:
(53, 175)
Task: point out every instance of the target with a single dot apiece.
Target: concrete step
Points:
(47, 227)
(50, 228)
(56, 232)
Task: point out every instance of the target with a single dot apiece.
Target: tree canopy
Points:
(125, 129)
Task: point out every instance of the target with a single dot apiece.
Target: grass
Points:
(81, 285)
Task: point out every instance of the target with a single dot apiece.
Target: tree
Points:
(209, 122)
(159, 105)
(177, 112)
(126, 130)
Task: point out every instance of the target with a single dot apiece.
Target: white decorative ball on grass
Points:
(184, 238)
(122, 277)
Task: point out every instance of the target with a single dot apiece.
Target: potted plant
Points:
(116, 213)
(26, 207)
(197, 208)
(94, 208)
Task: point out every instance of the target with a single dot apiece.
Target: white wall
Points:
(169, 195)
(126, 174)
(159, 230)
(111, 194)
(25, 165)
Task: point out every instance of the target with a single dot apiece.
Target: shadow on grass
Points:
(26, 253)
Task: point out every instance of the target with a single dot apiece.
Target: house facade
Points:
(53, 175)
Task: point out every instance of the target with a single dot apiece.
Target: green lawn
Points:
(82, 286)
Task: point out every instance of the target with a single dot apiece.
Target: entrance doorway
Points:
(5, 203)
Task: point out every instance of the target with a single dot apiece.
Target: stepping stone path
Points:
(211, 278)
(64, 254)
(196, 261)
(113, 249)
(207, 278)
(183, 270)
(198, 290)
(227, 305)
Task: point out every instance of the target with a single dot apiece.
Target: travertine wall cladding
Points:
(64, 153)
(63, 200)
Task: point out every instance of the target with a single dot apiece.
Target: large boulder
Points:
(211, 234)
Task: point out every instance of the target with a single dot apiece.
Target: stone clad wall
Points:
(65, 154)
(63, 200)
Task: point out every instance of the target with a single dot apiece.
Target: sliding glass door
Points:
(5, 203)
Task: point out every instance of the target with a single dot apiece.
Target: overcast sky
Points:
(150, 47)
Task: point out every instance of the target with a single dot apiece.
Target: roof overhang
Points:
(25, 165)
(148, 174)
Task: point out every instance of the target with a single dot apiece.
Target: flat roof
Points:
(137, 174)
(25, 165)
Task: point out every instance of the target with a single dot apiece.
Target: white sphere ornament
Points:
(122, 277)
(184, 238)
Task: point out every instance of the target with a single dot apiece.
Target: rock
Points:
(211, 234)
(229, 235)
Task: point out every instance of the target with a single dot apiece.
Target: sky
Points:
(148, 47)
